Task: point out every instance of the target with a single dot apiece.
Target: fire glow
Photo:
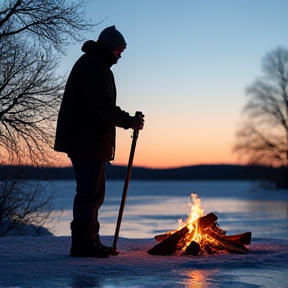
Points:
(200, 235)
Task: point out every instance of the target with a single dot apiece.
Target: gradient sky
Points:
(186, 67)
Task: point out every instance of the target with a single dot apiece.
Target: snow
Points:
(28, 261)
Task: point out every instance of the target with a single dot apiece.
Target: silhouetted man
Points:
(85, 131)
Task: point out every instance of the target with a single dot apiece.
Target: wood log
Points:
(229, 246)
(210, 246)
(161, 237)
(244, 238)
(215, 227)
(193, 249)
(207, 220)
(171, 244)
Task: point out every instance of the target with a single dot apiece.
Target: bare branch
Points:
(30, 97)
(54, 22)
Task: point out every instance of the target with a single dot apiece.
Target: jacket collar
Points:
(92, 47)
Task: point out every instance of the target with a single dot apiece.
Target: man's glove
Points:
(138, 121)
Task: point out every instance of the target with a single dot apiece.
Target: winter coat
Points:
(88, 113)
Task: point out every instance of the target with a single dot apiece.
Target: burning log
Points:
(162, 237)
(207, 221)
(244, 238)
(193, 249)
(170, 244)
(230, 246)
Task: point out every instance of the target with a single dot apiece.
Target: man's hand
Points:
(138, 121)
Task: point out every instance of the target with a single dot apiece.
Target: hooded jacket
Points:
(88, 113)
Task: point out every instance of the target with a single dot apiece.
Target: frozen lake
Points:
(154, 207)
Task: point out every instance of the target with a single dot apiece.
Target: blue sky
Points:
(186, 67)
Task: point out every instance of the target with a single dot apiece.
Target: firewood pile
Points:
(203, 236)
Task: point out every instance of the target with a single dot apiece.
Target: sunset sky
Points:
(186, 67)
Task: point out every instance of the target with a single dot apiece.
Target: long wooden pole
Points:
(113, 251)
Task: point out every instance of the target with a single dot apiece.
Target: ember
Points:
(200, 235)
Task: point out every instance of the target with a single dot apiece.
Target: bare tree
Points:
(30, 97)
(22, 202)
(263, 137)
(33, 35)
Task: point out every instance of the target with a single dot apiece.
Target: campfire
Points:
(200, 235)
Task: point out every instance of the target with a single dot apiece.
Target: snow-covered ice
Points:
(44, 262)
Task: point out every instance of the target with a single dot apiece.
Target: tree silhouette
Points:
(263, 136)
(33, 36)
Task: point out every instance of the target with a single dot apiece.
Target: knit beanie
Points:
(111, 38)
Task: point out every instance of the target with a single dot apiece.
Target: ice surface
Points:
(44, 262)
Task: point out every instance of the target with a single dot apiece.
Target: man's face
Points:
(117, 52)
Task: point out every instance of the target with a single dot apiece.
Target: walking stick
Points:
(113, 250)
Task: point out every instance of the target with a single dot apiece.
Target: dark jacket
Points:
(88, 113)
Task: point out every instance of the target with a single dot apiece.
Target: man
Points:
(86, 132)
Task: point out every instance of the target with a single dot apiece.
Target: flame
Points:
(191, 222)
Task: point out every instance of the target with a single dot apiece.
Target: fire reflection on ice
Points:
(198, 278)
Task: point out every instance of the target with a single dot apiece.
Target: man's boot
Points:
(96, 239)
(83, 243)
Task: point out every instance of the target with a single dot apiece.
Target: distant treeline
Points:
(197, 172)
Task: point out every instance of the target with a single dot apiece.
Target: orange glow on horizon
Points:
(163, 150)
(156, 161)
